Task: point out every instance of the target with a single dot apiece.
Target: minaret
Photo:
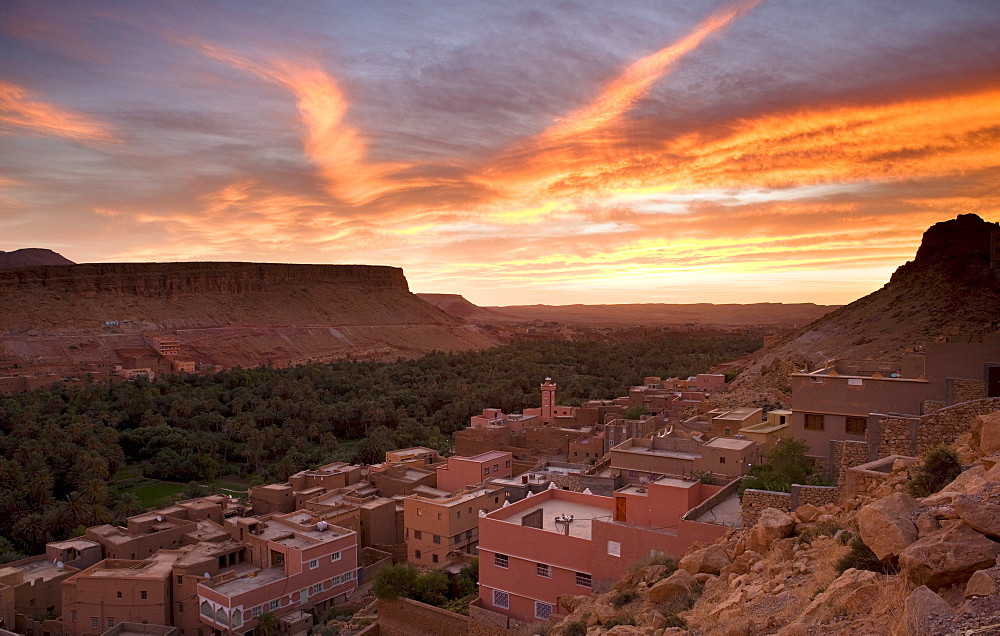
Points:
(548, 400)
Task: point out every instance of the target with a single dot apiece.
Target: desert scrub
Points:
(576, 628)
(619, 620)
(656, 558)
(940, 467)
(861, 557)
(623, 598)
(826, 528)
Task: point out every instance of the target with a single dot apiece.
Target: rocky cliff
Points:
(225, 313)
(950, 287)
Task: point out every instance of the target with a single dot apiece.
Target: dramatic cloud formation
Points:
(715, 151)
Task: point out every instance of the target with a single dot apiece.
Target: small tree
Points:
(940, 467)
(786, 464)
(431, 588)
(394, 581)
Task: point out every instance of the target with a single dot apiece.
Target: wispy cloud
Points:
(20, 111)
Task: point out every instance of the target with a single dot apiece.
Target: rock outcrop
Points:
(31, 257)
(887, 525)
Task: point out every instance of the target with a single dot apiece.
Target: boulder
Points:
(886, 525)
(772, 525)
(948, 556)
(980, 584)
(926, 524)
(850, 593)
(986, 433)
(709, 560)
(970, 482)
(675, 588)
(921, 608)
(808, 513)
(983, 516)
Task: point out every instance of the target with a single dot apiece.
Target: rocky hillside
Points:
(456, 305)
(224, 313)
(886, 564)
(31, 257)
(949, 287)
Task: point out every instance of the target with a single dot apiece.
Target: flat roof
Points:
(249, 577)
(583, 515)
(730, 443)
(487, 456)
(659, 452)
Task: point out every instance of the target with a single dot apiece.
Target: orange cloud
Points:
(619, 95)
(337, 149)
(19, 110)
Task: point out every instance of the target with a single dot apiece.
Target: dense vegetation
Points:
(60, 447)
(785, 464)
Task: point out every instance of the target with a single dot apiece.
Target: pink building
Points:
(294, 565)
(461, 472)
(560, 542)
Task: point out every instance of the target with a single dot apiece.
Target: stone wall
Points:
(398, 551)
(403, 617)
(485, 622)
(847, 454)
(908, 435)
(894, 435)
(966, 390)
(815, 495)
(755, 501)
(865, 479)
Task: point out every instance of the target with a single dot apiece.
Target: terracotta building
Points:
(559, 542)
(461, 472)
(438, 531)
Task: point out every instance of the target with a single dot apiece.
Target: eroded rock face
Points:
(887, 525)
(948, 556)
(709, 560)
(849, 594)
(986, 433)
(675, 588)
(982, 516)
(772, 525)
(922, 606)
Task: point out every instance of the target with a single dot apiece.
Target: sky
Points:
(514, 152)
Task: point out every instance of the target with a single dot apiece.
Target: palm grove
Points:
(61, 447)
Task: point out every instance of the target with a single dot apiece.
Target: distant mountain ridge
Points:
(652, 314)
(457, 305)
(32, 257)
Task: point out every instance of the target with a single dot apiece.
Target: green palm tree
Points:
(128, 505)
(267, 625)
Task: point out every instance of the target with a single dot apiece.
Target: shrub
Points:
(673, 620)
(656, 558)
(706, 477)
(619, 620)
(940, 467)
(861, 557)
(786, 464)
(576, 628)
(827, 528)
(623, 598)
(431, 588)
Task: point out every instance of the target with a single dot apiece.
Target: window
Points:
(501, 599)
(111, 621)
(728, 432)
(93, 622)
(143, 595)
(437, 538)
(583, 580)
(416, 554)
(257, 611)
(486, 471)
(496, 467)
(180, 607)
(722, 460)
(273, 605)
(335, 556)
(420, 513)
(418, 534)
(316, 589)
(31, 603)
(856, 425)
(237, 618)
(501, 560)
(439, 516)
(180, 579)
(543, 569)
(508, 464)
(314, 564)
(349, 576)
(470, 510)
(72, 616)
(468, 534)
(434, 558)
(614, 548)
(814, 422)
(542, 610)
(117, 595)
(458, 514)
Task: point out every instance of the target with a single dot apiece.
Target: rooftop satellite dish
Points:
(159, 517)
(60, 565)
(207, 575)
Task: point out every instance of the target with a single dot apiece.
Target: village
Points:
(554, 502)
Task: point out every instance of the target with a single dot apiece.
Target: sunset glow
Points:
(712, 151)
